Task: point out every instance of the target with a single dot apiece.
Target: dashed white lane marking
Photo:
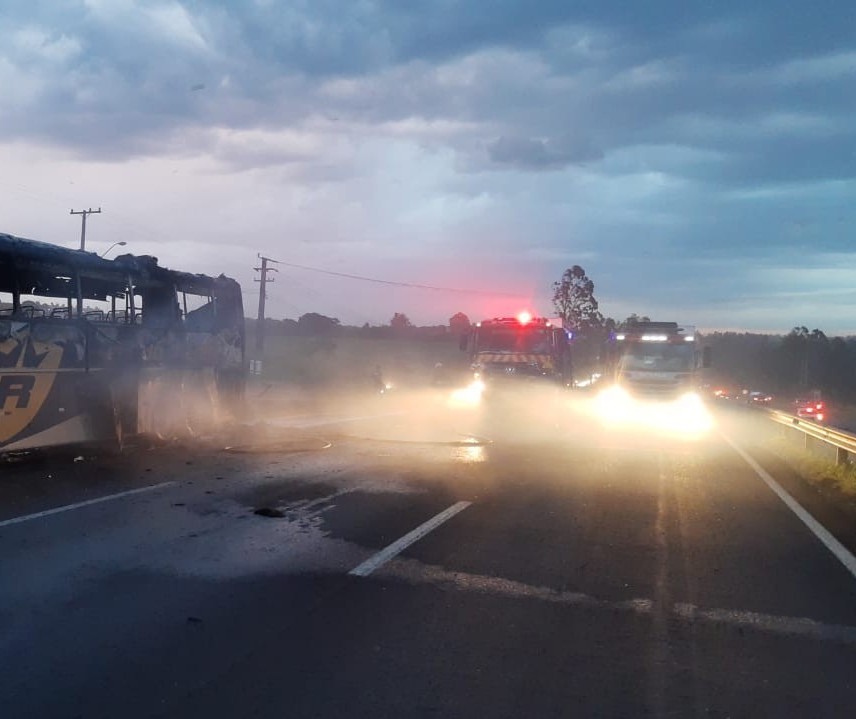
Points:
(394, 549)
(412, 571)
(87, 503)
(840, 552)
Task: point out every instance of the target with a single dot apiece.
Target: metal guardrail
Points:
(844, 442)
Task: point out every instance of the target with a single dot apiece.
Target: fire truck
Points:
(522, 348)
(658, 360)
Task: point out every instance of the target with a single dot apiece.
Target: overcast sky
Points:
(696, 158)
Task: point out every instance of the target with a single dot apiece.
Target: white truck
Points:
(658, 360)
(656, 368)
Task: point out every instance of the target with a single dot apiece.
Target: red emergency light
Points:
(524, 319)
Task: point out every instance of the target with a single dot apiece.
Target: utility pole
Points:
(260, 321)
(83, 214)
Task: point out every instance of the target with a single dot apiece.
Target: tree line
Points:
(801, 360)
(314, 324)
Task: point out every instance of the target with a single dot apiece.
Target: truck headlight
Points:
(613, 405)
(468, 396)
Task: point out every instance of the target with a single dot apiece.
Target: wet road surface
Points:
(550, 572)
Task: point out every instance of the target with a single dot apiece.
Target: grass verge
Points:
(836, 481)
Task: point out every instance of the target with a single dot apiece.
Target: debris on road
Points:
(269, 512)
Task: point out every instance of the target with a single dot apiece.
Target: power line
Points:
(325, 300)
(397, 284)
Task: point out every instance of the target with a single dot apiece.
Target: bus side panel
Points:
(190, 381)
(177, 402)
(47, 396)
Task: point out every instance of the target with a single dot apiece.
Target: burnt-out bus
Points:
(94, 350)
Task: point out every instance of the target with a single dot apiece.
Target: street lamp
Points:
(115, 244)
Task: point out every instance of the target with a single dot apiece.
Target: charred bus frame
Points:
(121, 352)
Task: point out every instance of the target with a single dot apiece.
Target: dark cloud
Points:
(611, 129)
(617, 73)
(444, 29)
(527, 153)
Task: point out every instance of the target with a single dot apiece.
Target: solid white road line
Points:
(78, 505)
(842, 554)
(384, 555)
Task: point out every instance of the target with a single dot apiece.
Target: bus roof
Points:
(40, 268)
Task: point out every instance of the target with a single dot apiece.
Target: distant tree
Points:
(289, 327)
(745, 360)
(574, 301)
(313, 324)
(400, 321)
(786, 365)
(794, 357)
(839, 373)
(816, 359)
(635, 318)
(431, 332)
(459, 323)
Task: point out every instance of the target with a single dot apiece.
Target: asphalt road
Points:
(567, 573)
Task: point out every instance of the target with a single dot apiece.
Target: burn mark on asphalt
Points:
(269, 512)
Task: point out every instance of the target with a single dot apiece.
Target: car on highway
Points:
(723, 394)
(813, 409)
